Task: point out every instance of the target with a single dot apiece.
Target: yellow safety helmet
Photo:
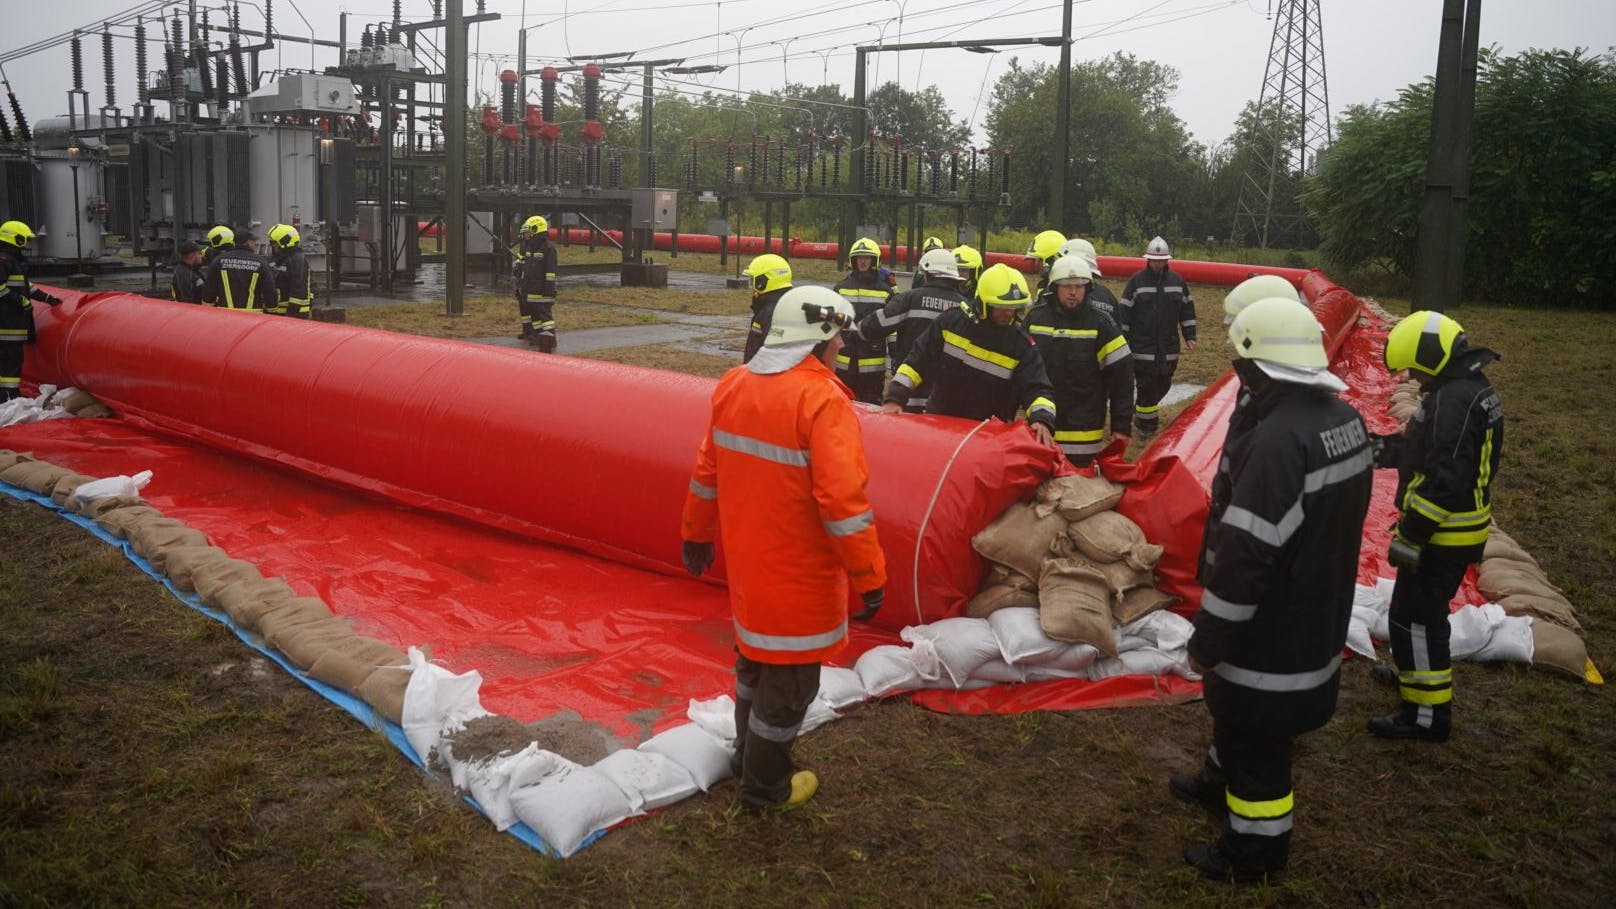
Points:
(768, 272)
(932, 243)
(1046, 245)
(1279, 330)
(536, 225)
(967, 259)
(1254, 288)
(221, 236)
(16, 233)
(864, 246)
(1001, 287)
(1423, 341)
(285, 236)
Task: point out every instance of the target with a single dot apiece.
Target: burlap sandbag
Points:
(1558, 648)
(248, 600)
(298, 611)
(1499, 578)
(118, 521)
(1140, 602)
(999, 596)
(37, 477)
(66, 485)
(1556, 609)
(150, 537)
(1108, 537)
(95, 508)
(180, 562)
(1074, 604)
(9, 457)
(1123, 577)
(1076, 497)
(212, 578)
(307, 641)
(347, 663)
(1019, 539)
(1501, 545)
(75, 401)
(998, 574)
(383, 689)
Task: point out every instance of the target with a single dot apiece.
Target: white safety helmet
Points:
(1279, 331)
(1254, 288)
(1070, 268)
(808, 313)
(1157, 250)
(1077, 246)
(939, 263)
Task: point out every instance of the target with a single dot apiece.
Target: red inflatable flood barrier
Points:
(590, 455)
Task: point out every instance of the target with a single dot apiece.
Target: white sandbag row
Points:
(1010, 646)
(51, 404)
(1481, 633)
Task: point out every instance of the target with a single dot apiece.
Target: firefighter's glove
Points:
(53, 300)
(872, 604)
(698, 557)
(1403, 554)
(1387, 449)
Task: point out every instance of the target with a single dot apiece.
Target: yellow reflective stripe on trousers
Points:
(1263, 818)
(790, 643)
(1079, 435)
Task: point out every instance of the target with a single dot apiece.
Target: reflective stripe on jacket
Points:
(780, 477)
(1279, 558)
(868, 291)
(1155, 309)
(239, 279)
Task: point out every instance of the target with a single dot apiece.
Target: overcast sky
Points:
(1220, 47)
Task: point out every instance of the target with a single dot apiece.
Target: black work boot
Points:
(1403, 723)
(547, 342)
(1214, 864)
(1199, 790)
(1384, 675)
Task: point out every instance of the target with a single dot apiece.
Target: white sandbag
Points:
(840, 687)
(691, 747)
(1488, 633)
(489, 781)
(1021, 638)
(886, 669)
(1143, 661)
(647, 779)
(1359, 640)
(819, 713)
(566, 807)
(962, 644)
(1075, 659)
(1046, 672)
(1167, 631)
(999, 672)
(120, 485)
(437, 700)
(716, 716)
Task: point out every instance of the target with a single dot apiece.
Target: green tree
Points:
(1541, 213)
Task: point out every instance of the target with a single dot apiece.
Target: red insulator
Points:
(509, 134)
(591, 71)
(508, 76)
(549, 74)
(533, 123)
(550, 133)
(490, 120)
(592, 132)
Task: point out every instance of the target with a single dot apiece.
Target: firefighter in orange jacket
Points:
(795, 537)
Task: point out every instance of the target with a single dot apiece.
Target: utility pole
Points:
(1294, 113)
(454, 158)
(1439, 246)
(1063, 125)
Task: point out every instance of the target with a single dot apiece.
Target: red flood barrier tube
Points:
(594, 456)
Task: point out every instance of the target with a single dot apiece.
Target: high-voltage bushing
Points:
(751, 163)
(729, 163)
(490, 125)
(780, 163)
(614, 170)
(690, 166)
(23, 130)
(870, 157)
(836, 143)
(221, 81)
(953, 172)
(77, 54)
(509, 133)
(550, 133)
(1004, 179)
(935, 162)
(106, 64)
(762, 176)
(592, 132)
(970, 181)
(201, 62)
(5, 129)
(532, 127)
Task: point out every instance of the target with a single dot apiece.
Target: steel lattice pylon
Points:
(1294, 122)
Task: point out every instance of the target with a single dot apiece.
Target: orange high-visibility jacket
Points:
(781, 477)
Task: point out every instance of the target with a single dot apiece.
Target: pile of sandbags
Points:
(1087, 568)
(1405, 401)
(303, 629)
(1510, 577)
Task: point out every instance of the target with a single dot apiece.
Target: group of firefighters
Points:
(229, 272)
(780, 479)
